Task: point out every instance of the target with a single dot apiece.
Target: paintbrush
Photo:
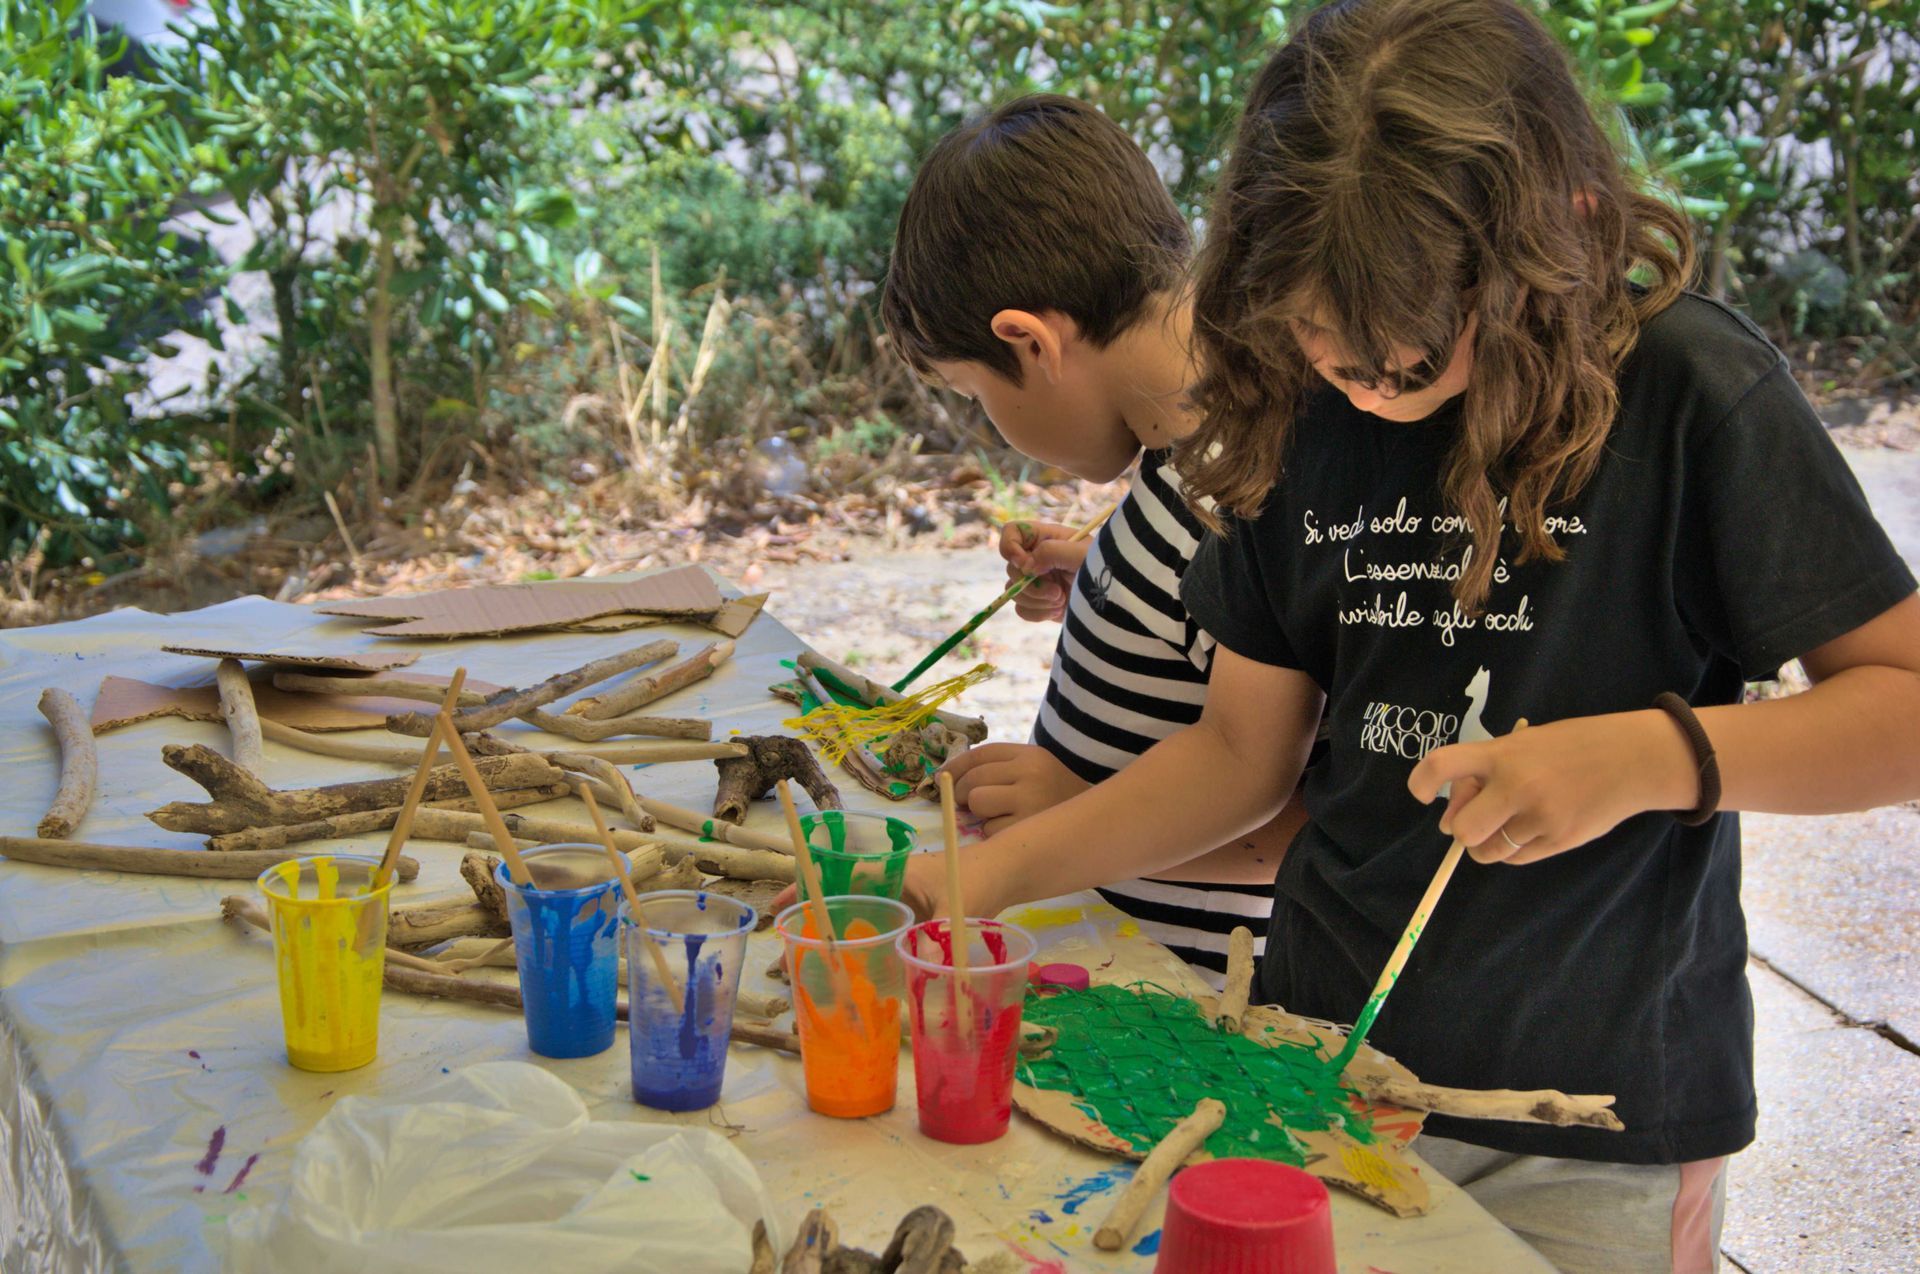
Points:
(489, 812)
(1013, 590)
(620, 869)
(957, 934)
(816, 901)
(403, 826)
(1404, 948)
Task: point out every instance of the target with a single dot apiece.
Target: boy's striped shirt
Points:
(1131, 668)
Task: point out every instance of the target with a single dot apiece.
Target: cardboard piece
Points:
(733, 618)
(1377, 1172)
(618, 623)
(123, 701)
(490, 611)
(338, 661)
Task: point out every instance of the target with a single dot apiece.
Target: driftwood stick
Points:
(683, 739)
(347, 750)
(733, 863)
(610, 778)
(154, 862)
(376, 686)
(582, 730)
(973, 729)
(764, 1259)
(513, 703)
(1239, 984)
(243, 718)
(79, 763)
(706, 825)
(655, 685)
(357, 824)
(770, 757)
(1536, 1106)
(242, 801)
(429, 922)
(578, 728)
(922, 1244)
(1162, 1161)
(819, 1237)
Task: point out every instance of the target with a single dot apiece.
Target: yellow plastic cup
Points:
(330, 944)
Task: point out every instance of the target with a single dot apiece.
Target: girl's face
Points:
(1427, 389)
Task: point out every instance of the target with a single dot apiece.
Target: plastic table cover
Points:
(147, 1097)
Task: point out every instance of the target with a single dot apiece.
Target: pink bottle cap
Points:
(1061, 977)
(1246, 1216)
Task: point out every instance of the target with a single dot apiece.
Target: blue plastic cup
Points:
(680, 1045)
(566, 940)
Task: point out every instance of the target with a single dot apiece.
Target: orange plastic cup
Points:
(846, 1002)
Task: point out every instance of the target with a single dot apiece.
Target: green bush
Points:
(415, 114)
(667, 218)
(94, 273)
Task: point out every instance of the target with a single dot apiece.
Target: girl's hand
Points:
(1002, 783)
(1551, 788)
(1043, 549)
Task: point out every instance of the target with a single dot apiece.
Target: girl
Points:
(1477, 456)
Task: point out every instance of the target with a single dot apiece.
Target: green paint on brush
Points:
(1138, 1060)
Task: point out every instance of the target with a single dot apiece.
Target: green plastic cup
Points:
(858, 854)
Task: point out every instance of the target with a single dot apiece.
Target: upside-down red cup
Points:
(1246, 1216)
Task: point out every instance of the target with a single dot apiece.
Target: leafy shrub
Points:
(94, 273)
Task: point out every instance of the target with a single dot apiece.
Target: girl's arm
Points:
(1851, 742)
(1215, 780)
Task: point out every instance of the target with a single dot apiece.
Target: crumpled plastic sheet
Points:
(41, 1231)
(499, 1166)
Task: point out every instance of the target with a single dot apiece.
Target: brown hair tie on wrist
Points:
(1709, 764)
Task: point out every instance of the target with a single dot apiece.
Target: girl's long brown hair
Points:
(1404, 166)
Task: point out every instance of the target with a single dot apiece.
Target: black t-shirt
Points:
(1721, 535)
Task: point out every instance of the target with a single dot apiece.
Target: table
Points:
(134, 1022)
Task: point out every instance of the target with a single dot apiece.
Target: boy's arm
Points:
(1851, 742)
(1252, 859)
(1196, 790)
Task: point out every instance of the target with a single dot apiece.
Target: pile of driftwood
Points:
(251, 825)
(922, 1244)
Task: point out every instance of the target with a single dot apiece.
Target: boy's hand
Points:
(1043, 549)
(1551, 788)
(1002, 783)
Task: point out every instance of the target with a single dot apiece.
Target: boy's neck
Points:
(1149, 369)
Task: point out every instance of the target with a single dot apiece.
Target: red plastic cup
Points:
(1246, 1216)
(965, 1032)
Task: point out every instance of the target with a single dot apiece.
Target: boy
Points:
(1037, 270)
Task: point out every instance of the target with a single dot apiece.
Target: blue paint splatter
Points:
(1148, 1246)
(1039, 1217)
(1098, 1183)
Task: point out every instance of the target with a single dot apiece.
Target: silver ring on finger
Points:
(1510, 840)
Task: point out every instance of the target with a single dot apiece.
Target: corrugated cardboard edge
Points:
(682, 592)
(339, 661)
(123, 701)
(734, 618)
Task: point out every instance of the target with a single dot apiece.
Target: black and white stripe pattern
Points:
(1131, 669)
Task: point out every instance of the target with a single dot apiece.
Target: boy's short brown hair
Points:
(1042, 204)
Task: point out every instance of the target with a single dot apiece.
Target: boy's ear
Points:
(1039, 341)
